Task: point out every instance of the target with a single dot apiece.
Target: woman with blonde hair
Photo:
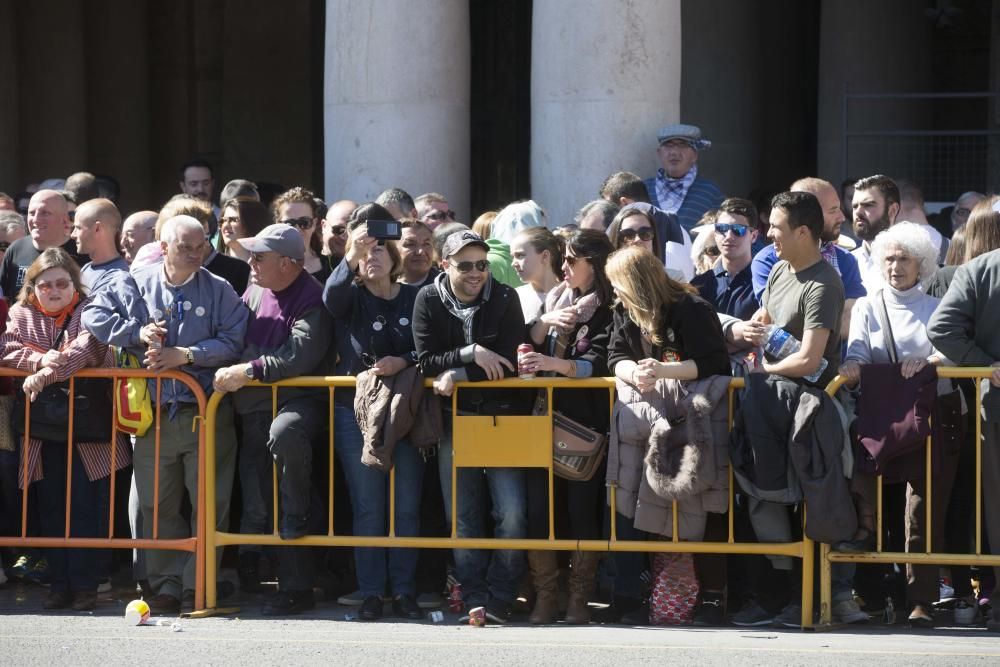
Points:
(661, 330)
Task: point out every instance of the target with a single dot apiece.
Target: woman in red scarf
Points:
(44, 337)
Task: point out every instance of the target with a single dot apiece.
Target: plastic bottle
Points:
(779, 344)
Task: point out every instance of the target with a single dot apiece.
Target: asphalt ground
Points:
(32, 636)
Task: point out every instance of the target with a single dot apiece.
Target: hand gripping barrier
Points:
(479, 442)
(194, 544)
(928, 556)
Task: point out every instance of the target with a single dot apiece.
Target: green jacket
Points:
(501, 263)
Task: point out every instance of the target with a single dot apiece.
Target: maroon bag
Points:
(675, 590)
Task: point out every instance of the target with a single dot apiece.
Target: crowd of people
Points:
(664, 284)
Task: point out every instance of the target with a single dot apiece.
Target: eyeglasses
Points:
(464, 267)
(338, 230)
(724, 228)
(628, 235)
(571, 260)
(59, 284)
(712, 251)
(301, 223)
(438, 216)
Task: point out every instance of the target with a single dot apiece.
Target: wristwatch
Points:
(189, 356)
(248, 371)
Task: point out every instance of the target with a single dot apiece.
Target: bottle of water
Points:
(779, 344)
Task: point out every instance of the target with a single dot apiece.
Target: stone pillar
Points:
(870, 47)
(605, 75)
(396, 99)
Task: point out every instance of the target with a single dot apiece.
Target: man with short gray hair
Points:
(197, 326)
(597, 214)
(398, 202)
(963, 207)
(11, 229)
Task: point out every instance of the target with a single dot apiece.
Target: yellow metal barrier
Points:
(828, 556)
(194, 544)
(520, 441)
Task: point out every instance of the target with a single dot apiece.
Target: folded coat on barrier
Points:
(671, 443)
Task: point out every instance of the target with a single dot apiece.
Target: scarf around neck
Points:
(464, 312)
(60, 315)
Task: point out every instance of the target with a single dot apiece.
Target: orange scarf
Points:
(60, 315)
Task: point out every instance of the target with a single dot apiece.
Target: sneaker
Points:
(966, 613)
(751, 615)
(709, 613)
(21, 566)
(39, 573)
(355, 599)
(848, 611)
(104, 586)
(790, 616)
(497, 611)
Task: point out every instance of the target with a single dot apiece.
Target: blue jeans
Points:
(486, 573)
(369, 489)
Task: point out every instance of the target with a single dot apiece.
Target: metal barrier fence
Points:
(522, 442)
(194, 544)
(828, 556)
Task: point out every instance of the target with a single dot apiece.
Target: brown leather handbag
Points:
(577, 451)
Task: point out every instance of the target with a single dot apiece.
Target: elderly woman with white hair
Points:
(890, 326)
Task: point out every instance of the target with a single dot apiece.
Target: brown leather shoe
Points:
(58, 600)
(164, 603)
(545, 577)
(84, 601)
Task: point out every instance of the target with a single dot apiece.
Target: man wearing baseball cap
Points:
(467, 326)
(677, 188)
(288, 335)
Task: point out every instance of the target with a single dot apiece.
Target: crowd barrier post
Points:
(194, 544)
(928, 556)
(481, 441)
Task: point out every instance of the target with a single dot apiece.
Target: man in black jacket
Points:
(467, 327)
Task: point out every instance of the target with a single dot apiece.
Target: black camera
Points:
(384, 230)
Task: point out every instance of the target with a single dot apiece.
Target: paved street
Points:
(29, 636)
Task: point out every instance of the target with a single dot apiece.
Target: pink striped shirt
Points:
(29, 335)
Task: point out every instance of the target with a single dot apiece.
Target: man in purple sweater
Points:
(288, 335)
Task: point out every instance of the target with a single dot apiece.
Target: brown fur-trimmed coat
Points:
(671, 443)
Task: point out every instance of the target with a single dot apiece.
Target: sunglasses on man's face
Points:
(724, 228)
(338, 230)
(301, 223)
(628, 235)
(464, 267)
(438, 216)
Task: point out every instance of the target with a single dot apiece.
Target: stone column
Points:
(605, 75)
(396, 99)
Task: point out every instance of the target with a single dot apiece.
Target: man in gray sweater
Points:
(964, 329)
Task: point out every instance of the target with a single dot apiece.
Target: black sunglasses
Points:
(571, 260)
(438, 216)
(464, 267)
(724, 228)
(628, 235)
(301, 223)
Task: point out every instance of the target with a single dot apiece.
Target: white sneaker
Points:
(104, 586)
(355, 599)
(848, 611)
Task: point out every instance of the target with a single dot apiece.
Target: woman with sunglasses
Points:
(536, 255)
(297, 207)
(372, 315)
(44, 336)
(657, 231)
(240, 219)
(660, 330)
(572, 336)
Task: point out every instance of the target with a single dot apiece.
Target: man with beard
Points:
(467, 326)
(837, 257)
(875, 206)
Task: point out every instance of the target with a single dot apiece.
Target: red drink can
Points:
(523, 349)
(455, 604)
(477, 616)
